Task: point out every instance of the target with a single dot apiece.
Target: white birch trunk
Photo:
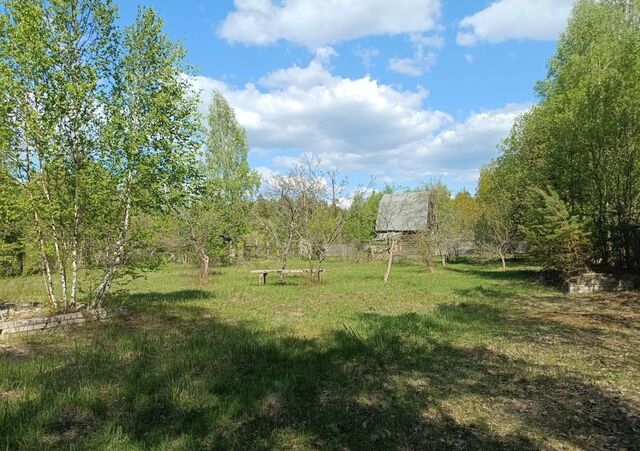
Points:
(204, 264)
(103, 289)
(56, 244)
(443, 258)
(74, 253)
(44, 261)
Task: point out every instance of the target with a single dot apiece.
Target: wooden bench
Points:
(262, 280)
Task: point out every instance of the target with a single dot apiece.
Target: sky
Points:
(404, 91)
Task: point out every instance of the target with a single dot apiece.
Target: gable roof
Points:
(403, 212)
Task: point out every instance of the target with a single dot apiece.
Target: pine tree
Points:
(557, 238)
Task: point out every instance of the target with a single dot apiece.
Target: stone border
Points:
(602, 282)
(49, 323)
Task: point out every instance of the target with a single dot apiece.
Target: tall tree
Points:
(53, 57)
(219, 214)
(84, 43)
(150, 134)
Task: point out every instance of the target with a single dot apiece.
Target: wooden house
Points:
(402, 221)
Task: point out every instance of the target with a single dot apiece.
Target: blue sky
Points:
(405, 91)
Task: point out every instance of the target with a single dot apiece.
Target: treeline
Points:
(568, 179)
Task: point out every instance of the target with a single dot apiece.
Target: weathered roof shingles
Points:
(403, 212)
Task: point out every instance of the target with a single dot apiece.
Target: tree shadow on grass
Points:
(480, 292)
(387, 382)
(154, 297)
(520, 326)
(509, 275)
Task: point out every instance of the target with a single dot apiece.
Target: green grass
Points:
(467, 358)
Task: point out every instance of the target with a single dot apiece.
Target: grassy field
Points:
(467, 358)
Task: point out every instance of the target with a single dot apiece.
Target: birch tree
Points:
(94, 124)
(149, 137)
(85, 43)
(54, 56)
(26, 121)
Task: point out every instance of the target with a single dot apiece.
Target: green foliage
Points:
(500, 207)
(360, 224)
(230, 182)
(13, 227)
(98, 125)
(557, 239)
(151, 133)
(443, 236)
(217, 216)
(582, 138)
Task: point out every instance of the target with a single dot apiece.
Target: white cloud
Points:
(341, 114)
(455, 152)
(315, 23)
(409, 66)
(413, 67)
(361, 125)
(303, 77)
(435, 41)
(367, 55)
(504, 20)
(423, 59)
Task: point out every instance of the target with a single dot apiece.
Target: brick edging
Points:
(48, 323)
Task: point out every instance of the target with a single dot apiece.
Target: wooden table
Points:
(264, 272)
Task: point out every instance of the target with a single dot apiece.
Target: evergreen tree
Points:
(557, 239)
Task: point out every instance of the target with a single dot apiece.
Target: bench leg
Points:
(263, 279)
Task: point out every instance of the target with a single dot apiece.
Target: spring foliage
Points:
(582, 138)
(97, 129)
